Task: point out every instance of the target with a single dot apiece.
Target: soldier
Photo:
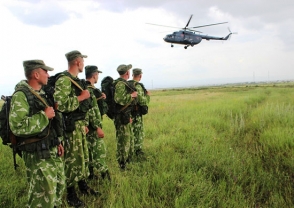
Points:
(73, 100)
(34, 122)
(96, 145)
(141, 108)
(124, 96)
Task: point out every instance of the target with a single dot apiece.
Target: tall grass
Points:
(214, 147)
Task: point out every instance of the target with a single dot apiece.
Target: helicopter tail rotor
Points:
(231, 33)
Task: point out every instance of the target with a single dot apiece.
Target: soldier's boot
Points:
(139, 152)
(106, 175)
(85, 189)
(92, 175)
(122, 165)
(72, 198)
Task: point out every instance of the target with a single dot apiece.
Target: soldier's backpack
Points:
(4, 121)
(108, 88)
(139, 109)
(8, 138)
(102, 105)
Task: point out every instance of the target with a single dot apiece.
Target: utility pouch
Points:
(124, 118)
(144, 109)
(28, 147)
(69, 123)
(43, 151)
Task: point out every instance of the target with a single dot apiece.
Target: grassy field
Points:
(212, 147)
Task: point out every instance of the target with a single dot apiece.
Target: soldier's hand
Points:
(100, 132)
(86, 129)
(148, 92)
(103, 96)
(85, 94)
(131, 120)
(60, 150)
(49, 111)
(134, 94)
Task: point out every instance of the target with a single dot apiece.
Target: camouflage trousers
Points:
(138, 129)
(76, 155)
(97, 151)
(125, 141)
(46, 179)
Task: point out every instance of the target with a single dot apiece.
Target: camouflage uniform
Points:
(45, 170)
(97, 147)
(138, 128)
(76, 147)
(124, 132)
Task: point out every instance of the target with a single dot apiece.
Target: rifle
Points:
(14, 149)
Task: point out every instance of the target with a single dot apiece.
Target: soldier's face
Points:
(80, 64)
(42, 76)
(96, 77)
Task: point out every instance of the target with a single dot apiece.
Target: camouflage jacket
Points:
(142, 98)
(122, 94)
(23, 124)
(94, 113)
(65, 96)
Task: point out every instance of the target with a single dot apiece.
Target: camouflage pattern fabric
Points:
(20, 123)
(45, 176)
(97, 152)
(76, 148)
(46, 179)
(138, 126)
(76, 155)
(124, 133)
(96, 146)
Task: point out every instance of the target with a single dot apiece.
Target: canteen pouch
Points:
(144, 109)
(43, 151)
(69, 123)
(124, 118)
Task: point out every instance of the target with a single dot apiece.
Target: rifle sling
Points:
(127, 105)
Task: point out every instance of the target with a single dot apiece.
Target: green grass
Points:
(213, 147)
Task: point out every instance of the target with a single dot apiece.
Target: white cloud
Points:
(113, 36)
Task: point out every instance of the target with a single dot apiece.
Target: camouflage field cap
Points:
(137, 71)
(121, 69)
(30, 65)
(73, 55)
(91, 69)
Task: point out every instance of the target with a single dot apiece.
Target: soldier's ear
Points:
(35, 74)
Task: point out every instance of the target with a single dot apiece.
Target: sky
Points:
(115, 32)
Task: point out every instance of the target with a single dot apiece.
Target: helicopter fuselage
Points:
(183, 37)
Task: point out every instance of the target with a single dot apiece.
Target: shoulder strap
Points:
(94, 88)
(34, 93)
(39, 97)
(67, 74)
(125, 83)
(75, 83)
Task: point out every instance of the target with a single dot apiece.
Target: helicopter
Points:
(187, 36)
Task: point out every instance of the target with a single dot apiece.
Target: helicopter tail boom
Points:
(227, 37)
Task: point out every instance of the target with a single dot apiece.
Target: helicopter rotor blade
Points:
(193, 30)
(163, 25)
(209, 25)
(188, 22)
